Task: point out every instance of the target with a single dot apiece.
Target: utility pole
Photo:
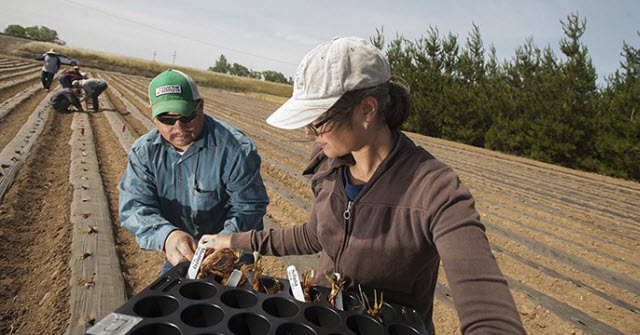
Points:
(174, 57)
(154, 55)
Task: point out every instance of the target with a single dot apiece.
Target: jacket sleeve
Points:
(139, 205)
(297, 240)
(39, 58)
(480, 292)
(248, 198)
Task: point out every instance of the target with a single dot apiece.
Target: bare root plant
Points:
(336, 286)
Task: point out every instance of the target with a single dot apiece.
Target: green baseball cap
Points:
(173, 91)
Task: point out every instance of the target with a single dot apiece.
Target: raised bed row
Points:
(15, 153)
(97, 286)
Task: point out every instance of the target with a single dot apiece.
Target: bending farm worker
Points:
(66, 78)
(64, 98)
(92, 88)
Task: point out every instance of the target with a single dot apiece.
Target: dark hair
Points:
(394, 104)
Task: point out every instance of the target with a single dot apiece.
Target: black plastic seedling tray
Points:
(174, 305)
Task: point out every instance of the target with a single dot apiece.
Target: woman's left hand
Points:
(215, 242)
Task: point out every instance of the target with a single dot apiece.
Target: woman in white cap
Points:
(385, 211)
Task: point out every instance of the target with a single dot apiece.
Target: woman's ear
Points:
(369, 107)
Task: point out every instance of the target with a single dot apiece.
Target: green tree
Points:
(239, 70)
(522, 84)
(378, 39)
(535, 105)
(222, 65)
(255, 74)
(42, 33)
(15, 30)
(275, 77)
(618, 135)
(566, 134)
(467, 117)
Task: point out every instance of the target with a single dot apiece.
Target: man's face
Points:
(183, 132)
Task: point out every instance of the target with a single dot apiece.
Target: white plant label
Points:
(339, 304)
(294, 281)
(194, 267)
(249, 276)
(234, 278)
(114, 324)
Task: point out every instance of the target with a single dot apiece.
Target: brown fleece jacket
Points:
(412, 213)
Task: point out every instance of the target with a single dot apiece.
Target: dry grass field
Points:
(150, 69)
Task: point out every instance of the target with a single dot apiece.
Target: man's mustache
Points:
(185, 134)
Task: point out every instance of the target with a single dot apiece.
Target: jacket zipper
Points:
(347, 217)
(347, 213)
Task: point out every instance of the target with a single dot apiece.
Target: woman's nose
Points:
(308, 132)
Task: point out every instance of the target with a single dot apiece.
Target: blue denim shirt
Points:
(215, 187)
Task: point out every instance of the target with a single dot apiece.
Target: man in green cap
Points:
(193, 175)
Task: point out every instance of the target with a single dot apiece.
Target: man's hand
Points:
(179, 247)
(215, 242)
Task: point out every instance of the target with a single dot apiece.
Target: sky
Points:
(275, 35)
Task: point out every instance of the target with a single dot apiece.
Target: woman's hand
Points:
(215, 242)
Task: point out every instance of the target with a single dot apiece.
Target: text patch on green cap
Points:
(173, 91)
(168, 89)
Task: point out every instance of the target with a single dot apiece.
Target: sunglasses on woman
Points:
(170, 120)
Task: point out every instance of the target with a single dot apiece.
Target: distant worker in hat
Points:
(64, 98)
(69, 76)
(385, 211)
(50, 67)
(193, 175)
(92, 88)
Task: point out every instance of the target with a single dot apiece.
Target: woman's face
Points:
(339, 140)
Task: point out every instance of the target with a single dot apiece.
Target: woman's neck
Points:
(369, 157)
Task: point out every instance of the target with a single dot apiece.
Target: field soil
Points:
(567, 241)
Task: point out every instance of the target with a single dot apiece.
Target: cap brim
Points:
(295, 114)
(181, 107)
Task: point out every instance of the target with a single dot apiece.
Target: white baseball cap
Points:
(326, 73)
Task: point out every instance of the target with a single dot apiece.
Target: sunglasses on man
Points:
(170, 120)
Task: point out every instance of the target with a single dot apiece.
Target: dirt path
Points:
(567, 241)
(11, 91)
(14, 120)
(35, 237)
